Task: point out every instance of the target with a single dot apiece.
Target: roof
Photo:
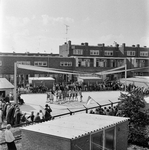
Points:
(88, 78)
(41, 78)
(5, 84)
(138, 81)
(72, 127)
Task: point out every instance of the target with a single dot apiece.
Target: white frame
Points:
(42, 63)
(144, 53)
(131, 53)
(112, 127)
(69, 64)
(94, 52)
(108, 53)
(77, 51)
(24, 62)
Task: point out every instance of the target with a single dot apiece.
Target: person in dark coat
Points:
(32, 116)
(48, 111)
(5, 109)
(37, 118)
(10, 115)
(23, 118)
(17, 116)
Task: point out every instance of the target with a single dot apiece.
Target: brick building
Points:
(7, 66)
(83, 57)
(101, 57)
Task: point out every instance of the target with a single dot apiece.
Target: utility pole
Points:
(15, 82)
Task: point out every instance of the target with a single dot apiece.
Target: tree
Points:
(132, 105)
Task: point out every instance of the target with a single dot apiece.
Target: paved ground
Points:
(35, 102)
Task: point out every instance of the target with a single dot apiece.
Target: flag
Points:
(89, 100)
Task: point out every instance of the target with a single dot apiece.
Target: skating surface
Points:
(36, 102)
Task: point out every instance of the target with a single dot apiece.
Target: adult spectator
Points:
(1, 120)
(31, 117)
(48, 111)
(9, 138)
(17, 116)
(24, 119)
(37, 118)
(10, 115)
(41, 114)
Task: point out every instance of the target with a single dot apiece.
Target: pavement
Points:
(36, 102)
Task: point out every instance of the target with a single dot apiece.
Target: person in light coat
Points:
(9, 138)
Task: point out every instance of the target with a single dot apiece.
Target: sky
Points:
(41, 26)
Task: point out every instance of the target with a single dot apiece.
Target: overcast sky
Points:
(40, 25)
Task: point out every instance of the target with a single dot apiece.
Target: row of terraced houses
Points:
(83, 57)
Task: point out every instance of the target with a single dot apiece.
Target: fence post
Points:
(86, 109)
(70, 111)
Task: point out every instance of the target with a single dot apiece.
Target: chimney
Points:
(86, 44)
(123, 45)
(82, 43)
(117, 45)
(138, 45)
(69, 43)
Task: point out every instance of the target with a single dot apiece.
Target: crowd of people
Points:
(112, 110)
(10, 113)
(100, 86)
(64, 96)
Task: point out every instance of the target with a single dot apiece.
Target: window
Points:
(84, 62)
(143, 53)
(131, 53)
(109, 139)
(94, 52)
(0, 63)
(78, 51)
(100, 63)
(24, 62)
(40, 63)
(97, 141)
(66, 64)
(108, 53)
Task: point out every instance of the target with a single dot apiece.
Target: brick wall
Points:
(38, 141)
